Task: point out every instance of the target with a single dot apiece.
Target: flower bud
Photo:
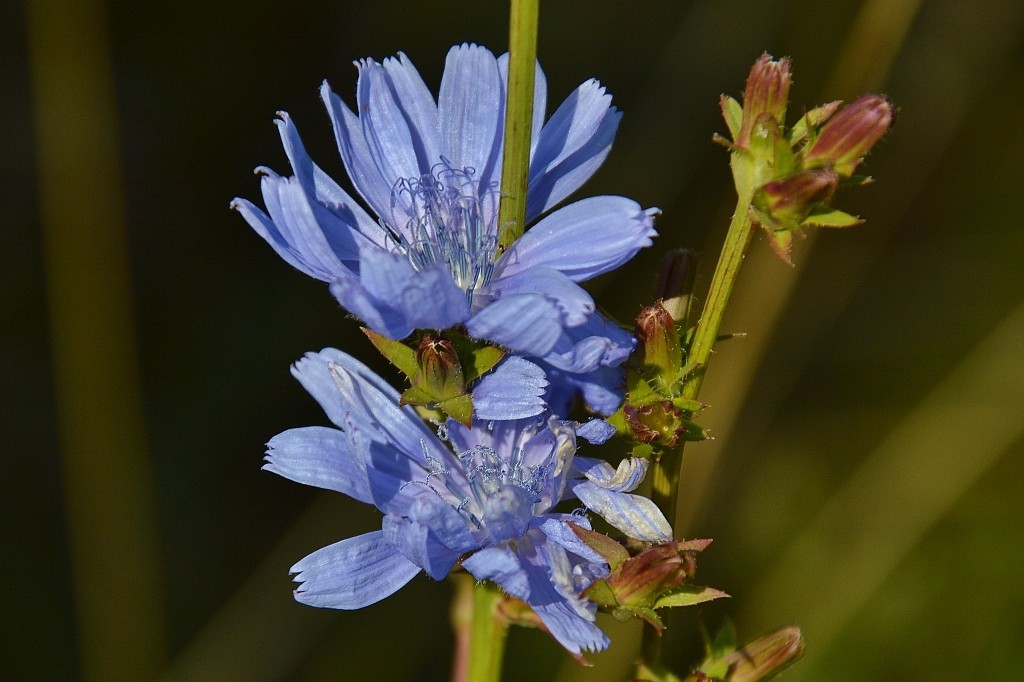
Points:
(766, 656)
(793, 197)
(440, 370)
(848, 136)
(660, 349)
(766, 95)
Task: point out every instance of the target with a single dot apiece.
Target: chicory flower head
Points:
(482, 496)
(430, 171)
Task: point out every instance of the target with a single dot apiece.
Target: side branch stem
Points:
(480, 631)
(666, 471)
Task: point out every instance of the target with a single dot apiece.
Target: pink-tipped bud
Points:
(660, 349)
(793, 197)
(850, 134)
(766, 95)
(440, 370)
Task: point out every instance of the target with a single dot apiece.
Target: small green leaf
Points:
(831, 217)
(691, 406)
(732, 112)
(483, 361)
(688, 596)
(459, 408)
(397, 353)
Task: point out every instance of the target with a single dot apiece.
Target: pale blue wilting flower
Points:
(483, 497)
(430, 172)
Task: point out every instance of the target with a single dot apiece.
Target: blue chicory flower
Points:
(431, 173)
(482, 496)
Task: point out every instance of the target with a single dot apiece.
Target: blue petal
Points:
(352, 573)
(380, 317)
(321, 457)
(557, 529)
(428, 299)
(526, 323)
(602, 389)
(597, 343)
(433, 536)
(418, 107)
(471, 111)
(612, 228)
(355, 153)
(388, 137)
(562, 614)
(514, 390)
(265, 227)
(575, 303)
(322, 187)
(500, 565)
(634, 515)
(596, 431)
(572, 146)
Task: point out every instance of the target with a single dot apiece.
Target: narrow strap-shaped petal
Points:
(427, 299)
(471, 111)
(514, 390)
(388, 136)
(413, 97)
(352, 573)
(572, 146)
(561, 614)
(613, 229)
(597, 343)
(575, 303)
(322, 187)
(634, 515)
(316, 234)
(526, 323)
(602, 389)
(380, 317)
(265, 227)
(320, 457)
(355, 154)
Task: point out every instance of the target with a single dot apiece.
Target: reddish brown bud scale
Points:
(766, 93)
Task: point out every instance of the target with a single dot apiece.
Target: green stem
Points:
(480, 631)
(666, 470)
(515, 165)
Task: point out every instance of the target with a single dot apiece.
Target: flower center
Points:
(448, 222)
(503, 493)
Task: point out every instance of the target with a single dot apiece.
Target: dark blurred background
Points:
(865, 481)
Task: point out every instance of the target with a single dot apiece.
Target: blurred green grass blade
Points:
(922, 468)
(107, 481)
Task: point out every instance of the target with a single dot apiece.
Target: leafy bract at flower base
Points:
(480, 496)
(430, 172)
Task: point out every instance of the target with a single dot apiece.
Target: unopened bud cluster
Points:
(791, 174)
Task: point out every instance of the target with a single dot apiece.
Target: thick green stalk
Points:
(480, 631)
(515, 165)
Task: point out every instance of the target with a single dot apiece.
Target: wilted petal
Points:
(634, 515)
(629, 474)
(352, 573)
(596, 431)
